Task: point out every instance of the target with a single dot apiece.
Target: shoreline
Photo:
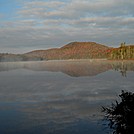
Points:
(71, 60)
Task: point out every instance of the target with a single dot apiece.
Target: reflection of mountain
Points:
(74, 68)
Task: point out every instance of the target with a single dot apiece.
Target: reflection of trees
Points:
(121, 115)
(123, 67)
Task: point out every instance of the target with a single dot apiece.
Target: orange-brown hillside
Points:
(74, 50)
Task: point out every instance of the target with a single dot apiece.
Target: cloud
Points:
(45, 24)
(50, 4)
(77, 8)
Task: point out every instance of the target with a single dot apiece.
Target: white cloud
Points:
(77, 8)
(48, 24)
(50, 4)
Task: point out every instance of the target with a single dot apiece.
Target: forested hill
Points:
(74, 50)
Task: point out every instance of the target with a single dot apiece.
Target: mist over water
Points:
(55, 97)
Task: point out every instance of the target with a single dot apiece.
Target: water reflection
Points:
(123, 67)
(121, 114)
(76, 68)
(36, 98)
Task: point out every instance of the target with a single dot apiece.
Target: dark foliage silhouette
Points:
(121, 114)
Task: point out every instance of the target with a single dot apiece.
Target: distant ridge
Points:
(73, 50)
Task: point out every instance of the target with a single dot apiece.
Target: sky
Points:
(26, 25)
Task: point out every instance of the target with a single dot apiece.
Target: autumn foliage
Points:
(74, 50)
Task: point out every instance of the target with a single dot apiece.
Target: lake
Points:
(60, 97)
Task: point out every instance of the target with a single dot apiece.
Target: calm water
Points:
(60, 97)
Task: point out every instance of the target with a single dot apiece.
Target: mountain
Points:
(73, 50)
